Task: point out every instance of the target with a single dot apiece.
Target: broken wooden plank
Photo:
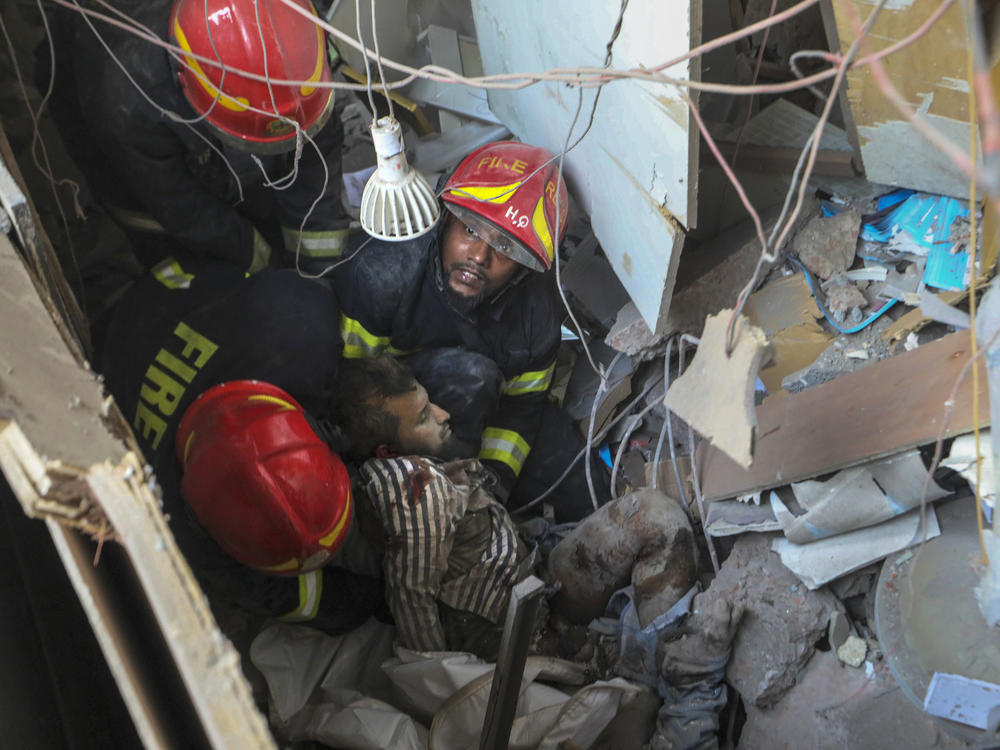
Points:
(64, 463)
(889, 407)
(932, 76)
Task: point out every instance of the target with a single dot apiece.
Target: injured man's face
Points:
(423, 426)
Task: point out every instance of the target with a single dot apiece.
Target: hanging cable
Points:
(364, 53)
(378, 62)
(621, 415)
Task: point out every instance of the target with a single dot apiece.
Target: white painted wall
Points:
(634, 173)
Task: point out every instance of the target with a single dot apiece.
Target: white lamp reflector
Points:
(397, 203)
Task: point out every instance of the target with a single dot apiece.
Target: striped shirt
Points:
(448, 540)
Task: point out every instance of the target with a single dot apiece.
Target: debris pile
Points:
(852, 442)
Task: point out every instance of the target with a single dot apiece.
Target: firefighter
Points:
(195, 159)
(472, 310)
(182, 330)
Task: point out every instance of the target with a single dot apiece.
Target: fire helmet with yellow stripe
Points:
(516, 189)
(224, 40)
(260, 480)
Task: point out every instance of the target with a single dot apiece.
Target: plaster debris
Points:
(715, 395)
(828, 559)
(782, 623)
(826, 246)
(856, 498)
(853, 651)
(630, 334)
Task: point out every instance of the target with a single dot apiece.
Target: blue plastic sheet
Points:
(924, 217)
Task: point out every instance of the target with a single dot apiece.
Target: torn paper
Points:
(829, 559)
(856, 498)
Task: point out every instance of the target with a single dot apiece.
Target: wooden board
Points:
(932, 76)
(889, 407)
(60, 457)
(636, 172)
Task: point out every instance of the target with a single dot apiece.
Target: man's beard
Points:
(462, 302)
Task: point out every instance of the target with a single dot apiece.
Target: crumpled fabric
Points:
(637, 646)
(330, 689)
(358, 692)
(689, 716)
(693, 670)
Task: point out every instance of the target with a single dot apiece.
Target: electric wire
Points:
(364, 52)
(623, 443)
(688, 338)
(40, 157)
(693, 453)
(663, 428)
(756, 73)
(812, 147)
(570, 466)
(600, 77)
(378, 61)
(973, 248)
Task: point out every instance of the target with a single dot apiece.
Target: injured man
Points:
(450, 551)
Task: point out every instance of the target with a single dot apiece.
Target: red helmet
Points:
(260, 480)
(261, 37)
(512, 186)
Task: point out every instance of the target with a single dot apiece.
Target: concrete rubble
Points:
(826, 246)
(833, 707)
(783, 620)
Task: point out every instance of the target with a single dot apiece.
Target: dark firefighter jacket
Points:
(178, 332)
(392, 298)
(157, 174)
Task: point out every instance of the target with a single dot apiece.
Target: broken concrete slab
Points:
(630, 334)
(715, 395)
(826, 245)
(782, 624)
(842, 300)
(833, 707)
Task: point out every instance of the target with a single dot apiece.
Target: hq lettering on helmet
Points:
(516, 188)
(164, 388)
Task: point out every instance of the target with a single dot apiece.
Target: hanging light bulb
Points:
(397, 203)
